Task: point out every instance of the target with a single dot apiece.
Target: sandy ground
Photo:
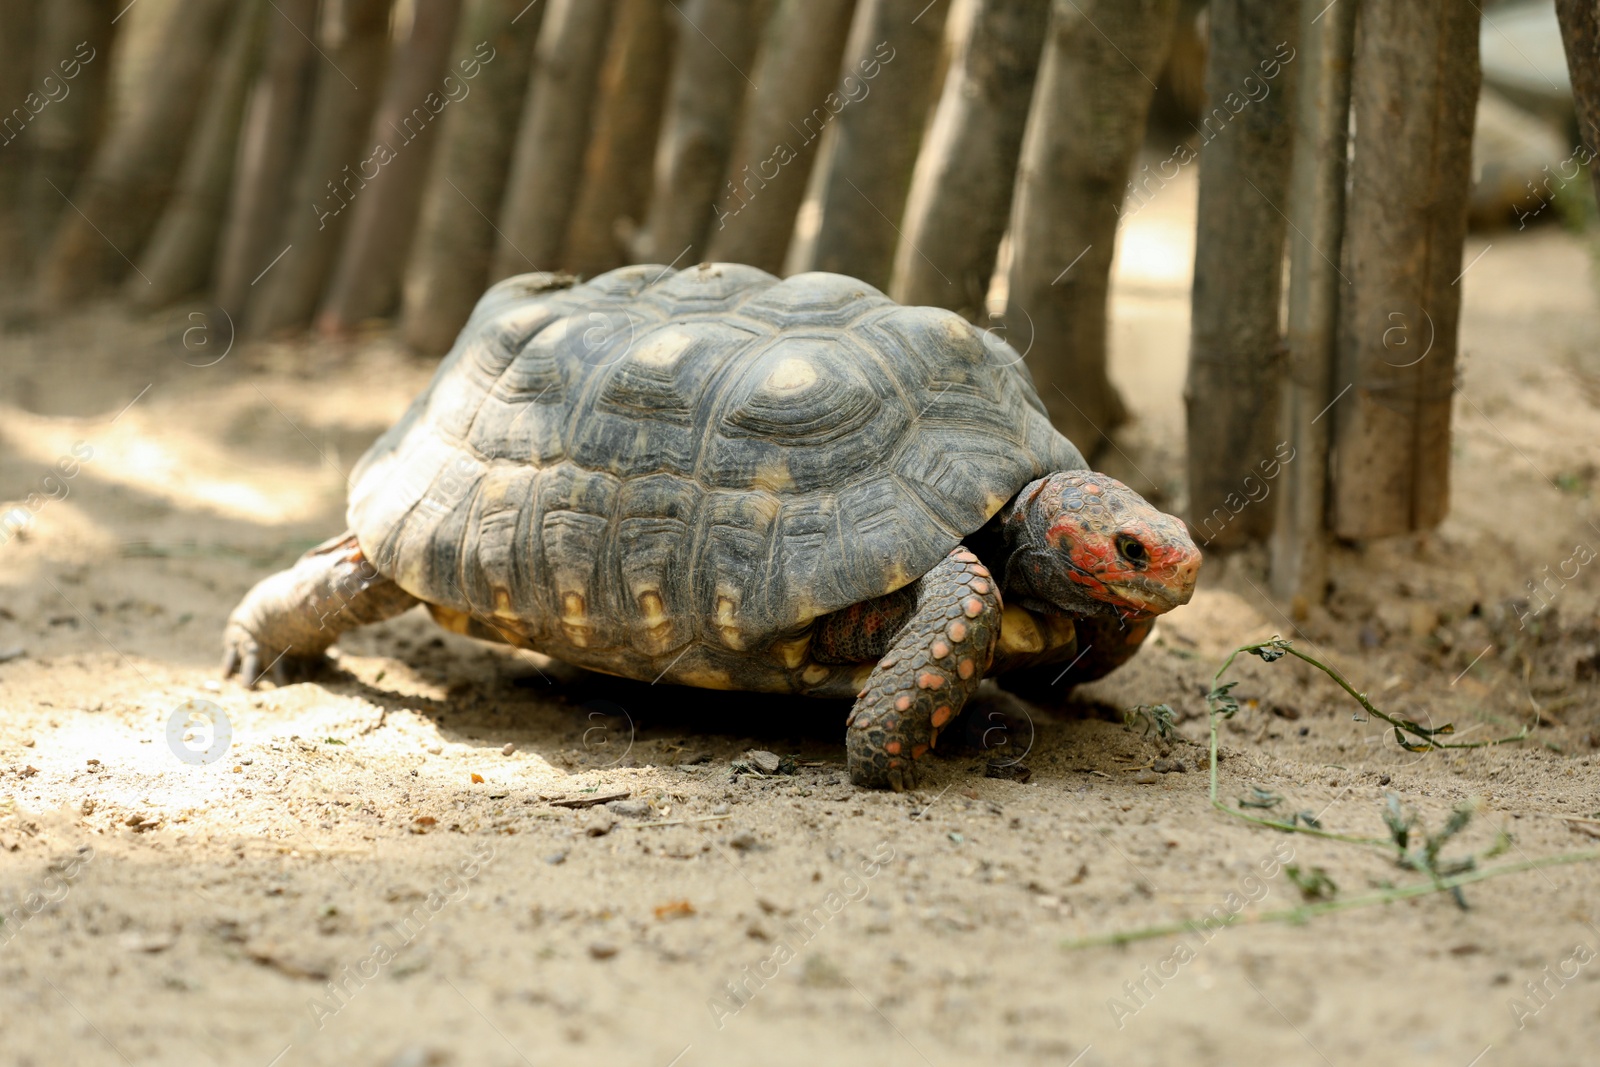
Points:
(363, 877)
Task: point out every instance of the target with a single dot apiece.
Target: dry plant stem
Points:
(1281, 646)
(1305, 912)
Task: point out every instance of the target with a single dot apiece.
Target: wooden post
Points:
(455, 238)
(1235, 343)
(960, 195)
(366, 280)
(716, 43)
(183, 249)
(548, 163)
(267, 150)
(784, 117)
(1087, 121)
(119, 200)
(355, 39)
(1316, 208)
(74, 37)
(1415, 90)
(892, 53)
(1580, 33)
(616, 171)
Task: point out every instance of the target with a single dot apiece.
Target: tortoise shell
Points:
(672, 474)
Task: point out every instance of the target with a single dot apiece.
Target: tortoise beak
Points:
(1159, 590)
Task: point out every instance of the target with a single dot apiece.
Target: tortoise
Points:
(715, 478)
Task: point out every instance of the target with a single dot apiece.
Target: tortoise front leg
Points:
(933, 665)
(288, 621)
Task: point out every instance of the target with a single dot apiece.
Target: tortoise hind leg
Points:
(933, 665)
(288, 621)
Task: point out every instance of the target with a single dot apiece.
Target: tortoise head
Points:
(1084, 542)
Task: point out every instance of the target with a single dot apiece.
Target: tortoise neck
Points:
(1031, 572)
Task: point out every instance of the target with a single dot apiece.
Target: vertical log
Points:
(716, 43)
(1316, 209)
(1087, 121)
(366, 281)
(796, 71)
(616, 171)
(893, 52)
(1580, 33)
(354, 35)
(119, 199)
(181, 252)
(23, 102)
(1415, 89)
(1235, 340)
(555, 131)
(267, 150)
(961, 188)
(75, 49)
(455, 238)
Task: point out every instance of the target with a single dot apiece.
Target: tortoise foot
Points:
(933, 665)
(284, 626)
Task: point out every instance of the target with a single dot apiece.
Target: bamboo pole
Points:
(355, 39)
(75, 49)
(267, 150)
(1235, 341)
(784, 118)
(1580, 33)
(716, 43)
(1414, 95)
(118, 201)
(1316, 209)
(960, 196)
(548, 162)
(366, 278)
(455, 238)
(616, 170)
(890, 60)
(183, 249)
(1086, 124)
(18, 30)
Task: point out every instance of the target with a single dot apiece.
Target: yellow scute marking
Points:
(663, 348)
(792, 374)
(703, 678)
(773, 477)
(1019, 632)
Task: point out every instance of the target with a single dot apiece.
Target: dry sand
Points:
(368, 831)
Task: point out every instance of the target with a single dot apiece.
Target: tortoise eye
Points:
(1132, 550)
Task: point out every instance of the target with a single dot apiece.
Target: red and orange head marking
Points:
(1117, 547)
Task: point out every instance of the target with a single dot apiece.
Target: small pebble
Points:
(633, 809)
(1169, 766)
(1144, 778)
(1384, 780)
(555, 859)
(599, 825)
(434, 750)
(510, 748)
(602, 951)
(763, 761)
(721, 809)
